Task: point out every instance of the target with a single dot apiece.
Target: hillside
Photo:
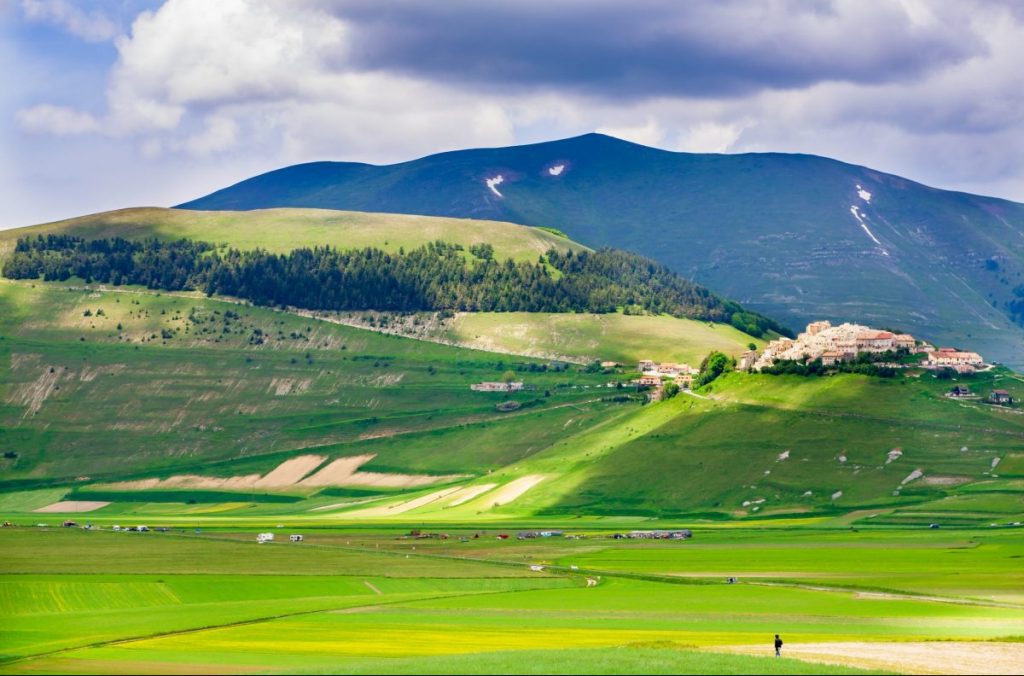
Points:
(179, 413)
(796, 237)
(282, 230)
(577, 337)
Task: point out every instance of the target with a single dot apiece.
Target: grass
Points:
(610, 337)
(113, 603)
(181, 386)
(281, 230)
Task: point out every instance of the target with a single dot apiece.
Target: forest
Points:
(437, 276)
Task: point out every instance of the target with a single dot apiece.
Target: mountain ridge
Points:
(794, 236)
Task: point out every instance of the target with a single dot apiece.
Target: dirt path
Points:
(921, 657)
(372, 587)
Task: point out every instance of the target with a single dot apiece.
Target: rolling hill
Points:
(282, 230)
(137, 401)
(796, 237)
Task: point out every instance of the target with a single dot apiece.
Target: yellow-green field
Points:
(609, 337)
(353, 601)
(282, 230)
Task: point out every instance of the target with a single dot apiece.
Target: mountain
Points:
(796, 237)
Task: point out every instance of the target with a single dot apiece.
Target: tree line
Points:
(437, 276)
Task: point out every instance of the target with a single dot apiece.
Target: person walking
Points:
(778, 646)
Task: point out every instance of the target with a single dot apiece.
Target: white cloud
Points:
(90, 26)
(219, 133)
(650, 133)
(57, 120)
(223, 87)
(710, 137)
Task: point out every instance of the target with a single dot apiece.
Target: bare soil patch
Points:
(516, 488)
(290, 471)
(69, 506)
(920, 657)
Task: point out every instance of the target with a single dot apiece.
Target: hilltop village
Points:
(846, 342)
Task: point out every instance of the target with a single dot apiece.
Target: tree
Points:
(508, 377)
(714, 365)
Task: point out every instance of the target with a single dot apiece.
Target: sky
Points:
(116, 103)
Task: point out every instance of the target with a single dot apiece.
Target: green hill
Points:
(177, 405)
(180, 412)
(282, 230)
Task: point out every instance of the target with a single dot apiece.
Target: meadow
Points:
(361, 601)
(282, 230)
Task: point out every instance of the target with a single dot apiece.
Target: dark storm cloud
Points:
(644, 48)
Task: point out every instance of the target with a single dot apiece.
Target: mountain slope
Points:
(796, 237)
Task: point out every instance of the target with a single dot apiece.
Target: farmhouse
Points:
(497, 387)
(960, 392)
(1001, 397)
(648, 381)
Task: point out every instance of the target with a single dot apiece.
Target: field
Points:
(612, 337)
(281, 230)
(368, 601)
(873, 522)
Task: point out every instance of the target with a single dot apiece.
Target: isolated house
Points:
(1001, 397)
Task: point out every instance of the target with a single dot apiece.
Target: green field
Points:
(364, 601)
(611, 337)
(866, 518)
(282, 230)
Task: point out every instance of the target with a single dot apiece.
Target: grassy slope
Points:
(78, 397)
(282, 230)
(616, 337)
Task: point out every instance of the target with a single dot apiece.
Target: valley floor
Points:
(374, 600)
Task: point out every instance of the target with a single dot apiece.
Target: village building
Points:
(832, 357)
(876, 341)
(649, 381)
(1001, 397)
(747, 360)
(647, 365)
(948, 356)
(960, 392)
(497, 387)
(685, 381)
(905, 341)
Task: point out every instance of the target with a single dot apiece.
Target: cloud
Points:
(929, 89)
(651, 48)
(56, 120)
(91, 26)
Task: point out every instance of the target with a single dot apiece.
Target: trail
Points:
(373, 587)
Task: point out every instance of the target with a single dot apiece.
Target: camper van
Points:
(264, 537)
(295, 538)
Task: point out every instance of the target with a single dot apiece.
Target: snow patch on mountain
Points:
(556, 170)
(863, 194)
(494, 182)
(862, 220)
